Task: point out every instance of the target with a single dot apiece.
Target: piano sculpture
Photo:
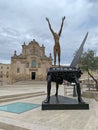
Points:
(71, 74)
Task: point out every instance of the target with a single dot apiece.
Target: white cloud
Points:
(21, 21)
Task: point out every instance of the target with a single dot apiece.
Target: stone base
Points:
(63, 103)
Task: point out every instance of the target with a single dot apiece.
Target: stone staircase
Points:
(8, 98)
(30, 82)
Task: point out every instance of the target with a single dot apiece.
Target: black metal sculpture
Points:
(59, 74)
(71, 74)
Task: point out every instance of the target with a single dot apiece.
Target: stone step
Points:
(21, 96)
(27, 82)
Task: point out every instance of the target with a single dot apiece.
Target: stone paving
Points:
(36, 119)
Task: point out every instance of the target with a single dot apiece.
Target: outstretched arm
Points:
(61, 26)
(50, 26)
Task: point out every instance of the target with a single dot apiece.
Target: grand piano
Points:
(70, 73)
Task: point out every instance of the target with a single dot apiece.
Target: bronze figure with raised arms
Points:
(56, 37)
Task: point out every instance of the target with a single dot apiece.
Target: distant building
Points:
(31, 64)
(5, 73)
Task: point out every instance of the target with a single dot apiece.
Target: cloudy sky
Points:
(24, 20)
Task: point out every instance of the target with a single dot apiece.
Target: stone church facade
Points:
(31, 64)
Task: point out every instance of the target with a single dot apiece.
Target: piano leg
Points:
(78, 91)
(48, 89)
(57, 86)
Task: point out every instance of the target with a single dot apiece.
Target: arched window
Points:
(33, 63)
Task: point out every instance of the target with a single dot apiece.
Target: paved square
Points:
(43, 120)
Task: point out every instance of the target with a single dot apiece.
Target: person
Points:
(56, 36)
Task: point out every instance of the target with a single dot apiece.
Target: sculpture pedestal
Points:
(63, 103)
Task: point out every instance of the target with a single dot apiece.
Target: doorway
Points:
(33, 75)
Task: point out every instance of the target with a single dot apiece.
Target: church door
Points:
(33, 75)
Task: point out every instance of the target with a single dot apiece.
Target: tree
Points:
(95, 80)
(89, 61)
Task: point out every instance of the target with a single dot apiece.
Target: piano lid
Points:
(79, 53)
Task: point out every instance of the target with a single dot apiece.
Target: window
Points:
(7, 74)
(1, 67)
(33, 63)
(7, 67)
(18, 70)
(1, 74)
